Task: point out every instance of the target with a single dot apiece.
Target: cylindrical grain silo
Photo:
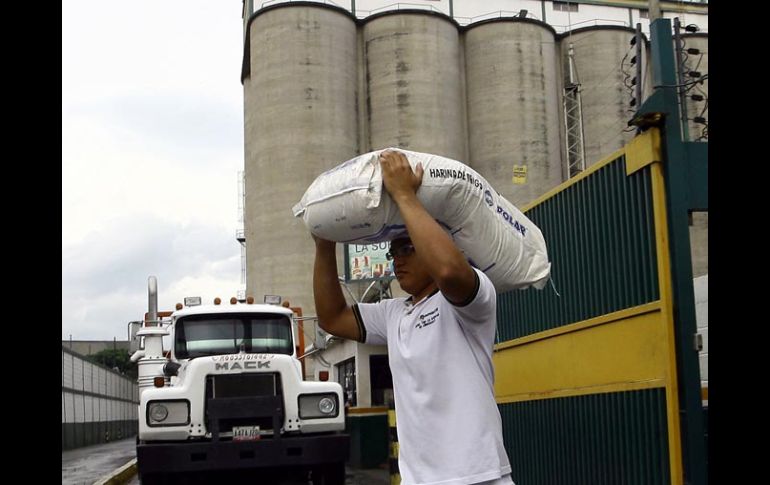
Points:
(606, 90)
(414, 94)
(699, 229)
(514, 105)
(300, 117)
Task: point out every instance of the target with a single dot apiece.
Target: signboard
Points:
(519, 174)
(367, 262)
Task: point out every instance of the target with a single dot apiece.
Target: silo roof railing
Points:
(399, 6)
(495, 15)
(591, 23)
(275, 2)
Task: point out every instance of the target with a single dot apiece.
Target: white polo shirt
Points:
(440, 355)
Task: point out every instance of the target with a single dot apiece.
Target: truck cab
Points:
(229, 394)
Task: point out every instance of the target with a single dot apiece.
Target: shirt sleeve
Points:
(372, 322)
(481, 307)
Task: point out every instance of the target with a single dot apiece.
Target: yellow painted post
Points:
(395, 475)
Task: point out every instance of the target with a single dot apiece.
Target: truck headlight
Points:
(168, 413)
(313, 406)
(158, 412)
(326, 405)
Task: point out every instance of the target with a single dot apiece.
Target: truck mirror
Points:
(320, 337)
(133, 340)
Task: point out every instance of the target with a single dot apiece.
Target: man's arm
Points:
(334, 315)
(443, 260)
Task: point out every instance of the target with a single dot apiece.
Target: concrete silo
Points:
(300, 83)
(514, 105)
(414, 96)
(599, 53)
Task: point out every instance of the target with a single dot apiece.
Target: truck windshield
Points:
(199, 335)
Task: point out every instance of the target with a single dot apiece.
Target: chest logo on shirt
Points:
(427, 318)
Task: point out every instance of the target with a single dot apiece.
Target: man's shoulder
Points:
(387, 302)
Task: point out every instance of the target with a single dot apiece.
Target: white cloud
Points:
(152, 140)
(104, 277)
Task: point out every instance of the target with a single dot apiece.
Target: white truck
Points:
(229, 395)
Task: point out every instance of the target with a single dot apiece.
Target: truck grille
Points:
(242, 385)
(222, 388)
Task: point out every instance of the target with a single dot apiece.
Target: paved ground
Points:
(84, 466)
(374, 476)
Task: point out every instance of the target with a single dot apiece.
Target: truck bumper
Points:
(289, 451)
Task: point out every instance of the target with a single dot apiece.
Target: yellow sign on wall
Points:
(519, 174)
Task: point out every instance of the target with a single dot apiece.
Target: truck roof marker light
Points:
(159, 381)
(192, 300)
(233, 300)
(179, 306)
(217, 301)
(250, 300)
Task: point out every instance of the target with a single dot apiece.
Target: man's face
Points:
(409, 267)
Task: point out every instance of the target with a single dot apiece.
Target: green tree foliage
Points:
(114, 359)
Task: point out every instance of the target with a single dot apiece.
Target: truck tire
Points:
(329, 474)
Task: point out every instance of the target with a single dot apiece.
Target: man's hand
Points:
(321, 243)
(397, 174)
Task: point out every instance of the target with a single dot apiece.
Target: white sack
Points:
(350, 204)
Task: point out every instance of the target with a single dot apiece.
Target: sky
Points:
(152, 143)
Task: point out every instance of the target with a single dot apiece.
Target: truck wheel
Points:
(329, 474)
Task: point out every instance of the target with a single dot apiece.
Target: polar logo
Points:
(488, 198)
(510, 220)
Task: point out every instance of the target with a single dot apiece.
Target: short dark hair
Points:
(406, 239)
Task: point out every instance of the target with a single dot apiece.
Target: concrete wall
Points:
(414, 92)
(98, 404)
(701, 289)
(514, 105)
(300, 120)
(599, 53)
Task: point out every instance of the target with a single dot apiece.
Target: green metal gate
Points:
(599, 383)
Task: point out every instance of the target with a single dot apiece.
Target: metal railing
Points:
(495, 15)
(463, 21)
(590, 23)
(325, 2)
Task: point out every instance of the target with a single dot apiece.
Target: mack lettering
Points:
(252, 364)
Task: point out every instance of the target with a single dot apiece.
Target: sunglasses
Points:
(401, 251)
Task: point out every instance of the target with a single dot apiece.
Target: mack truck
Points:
(229, 396)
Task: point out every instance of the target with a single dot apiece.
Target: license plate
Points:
(245, 433)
